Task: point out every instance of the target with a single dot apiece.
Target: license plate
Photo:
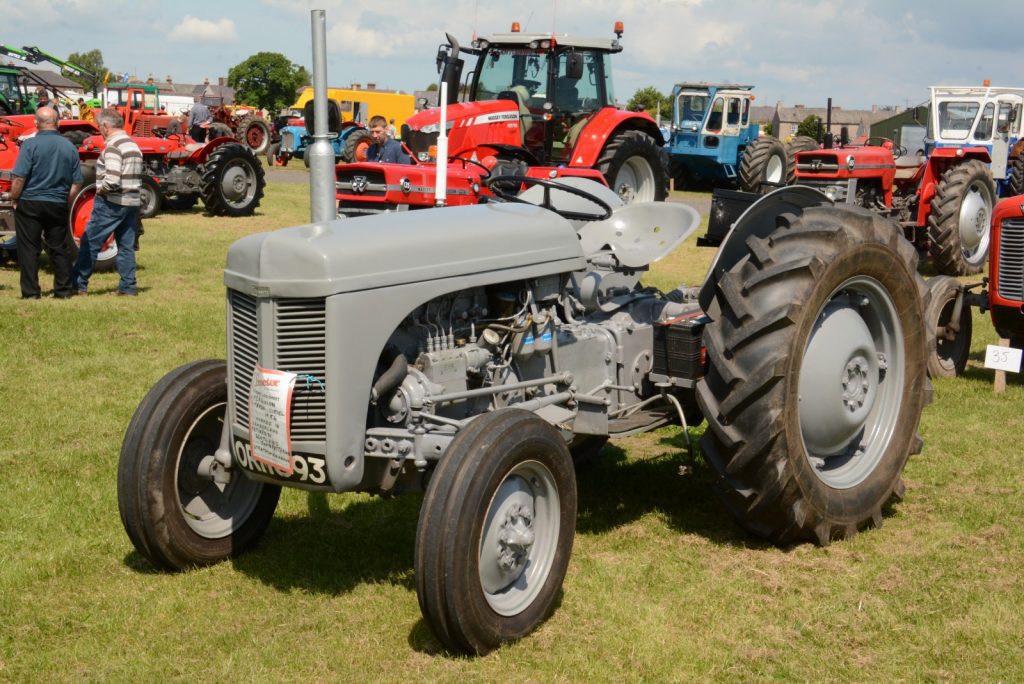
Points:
(305, 467)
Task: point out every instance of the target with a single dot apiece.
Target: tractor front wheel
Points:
(495, 532)
(218, 130)
(233, 181)
(817, 377)
(635, 167)
(952, 345)
(960, 219)
(763, 168)
(356, 145)
(275, 157)
(175, 513)
(151, 198)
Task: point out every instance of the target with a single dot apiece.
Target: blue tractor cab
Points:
(713, 139)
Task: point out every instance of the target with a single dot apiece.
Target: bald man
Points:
(46, 178)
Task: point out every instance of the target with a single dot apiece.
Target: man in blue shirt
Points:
(46, 177)
(199, 118)
(382, 149)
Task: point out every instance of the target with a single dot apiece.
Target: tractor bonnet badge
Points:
(816, 165)
(359, 184)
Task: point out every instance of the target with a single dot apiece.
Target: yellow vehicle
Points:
(359, 105)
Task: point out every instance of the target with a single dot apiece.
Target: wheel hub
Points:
(855, 383)
(515, 539)
(975, 217)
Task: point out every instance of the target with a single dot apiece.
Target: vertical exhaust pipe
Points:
(441, 186)
(322, 203)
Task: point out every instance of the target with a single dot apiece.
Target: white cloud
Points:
(194, 29)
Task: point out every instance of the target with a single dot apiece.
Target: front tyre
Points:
(800, 143)
(817, 375)
(175, 516)
(635, 167)
(948, 358)
(960, 219)
(495, 532)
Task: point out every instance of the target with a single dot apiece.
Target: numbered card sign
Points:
(1002, 358)
(270, 400)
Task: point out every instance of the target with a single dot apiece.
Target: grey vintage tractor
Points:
(473, 353)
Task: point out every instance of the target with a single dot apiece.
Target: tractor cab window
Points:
(518, 71)
(983, 131)
(956, 119)
(1009, 118)
(577, 94)
(714, 124)
(691, 108)
(9, 92)
(733, 107)
(746, 113)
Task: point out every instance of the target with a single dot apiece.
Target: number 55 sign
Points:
(1002, 358)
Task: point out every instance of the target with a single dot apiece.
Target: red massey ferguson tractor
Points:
(537, 105)
(943, 202)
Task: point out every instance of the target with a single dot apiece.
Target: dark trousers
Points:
(197, 133)
(34, 223)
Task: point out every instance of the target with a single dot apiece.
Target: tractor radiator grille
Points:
(1011, 260)
(299, 329)
(361, 182)
(825, 164)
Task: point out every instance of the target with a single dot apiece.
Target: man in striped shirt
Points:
(116, 209)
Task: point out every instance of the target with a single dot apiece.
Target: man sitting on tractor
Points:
(383, 148)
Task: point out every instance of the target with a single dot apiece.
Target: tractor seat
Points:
(519, 94)
(185, 151)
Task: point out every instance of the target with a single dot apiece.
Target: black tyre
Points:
(254, 134)
(356, 139)
(495, 532)
(305, 157)
(948, 357)
(801, 143)
(817, 375)
(76, 138)
(218, 130)
(78, 218)
(635, 167)
(1015, 175)
(233, 181)
(763, 167)
(961, 218)
(151, 198)
(180, 202)
(176, 517)
(274, 156)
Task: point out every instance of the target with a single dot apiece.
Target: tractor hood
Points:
(346, 255)
(487, 111)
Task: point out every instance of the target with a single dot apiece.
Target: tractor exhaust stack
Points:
(322, 205)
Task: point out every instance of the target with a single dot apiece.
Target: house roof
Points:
(51, 78)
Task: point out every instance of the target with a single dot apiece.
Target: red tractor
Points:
(536, 105)
(243, 123)
(223, 172)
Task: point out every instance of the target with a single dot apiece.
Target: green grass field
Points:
(662, 584)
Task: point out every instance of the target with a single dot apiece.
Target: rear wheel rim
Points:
(774, 170)
(238, 184)
(974, 221)
(635, 181)
(851, 383)
(519, 538)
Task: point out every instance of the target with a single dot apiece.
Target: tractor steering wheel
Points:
(496, 183)
(474, 162)
(897, 151)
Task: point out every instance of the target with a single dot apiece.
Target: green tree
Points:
(650, 99)
(811, 127)
(91, 61)
(267, 80)
(767, 128)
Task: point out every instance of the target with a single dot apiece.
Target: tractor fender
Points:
(757, 221)
(603, 126)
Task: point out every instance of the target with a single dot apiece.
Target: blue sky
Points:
(799, 51)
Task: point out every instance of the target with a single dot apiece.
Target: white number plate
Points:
(305, 468)
(1002, 358)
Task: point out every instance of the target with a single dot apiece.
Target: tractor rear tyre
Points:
(76, 138)
(175, 514)
(960, 219)
(218, 130)
(948, 357)
(151, 198)
(495, 532)
(817, 375)
(1015, 176)
(78, 219)
(764, 162)
(254, 134)
(635, 167)
(801, 143)
(233, 181)
(355, 147)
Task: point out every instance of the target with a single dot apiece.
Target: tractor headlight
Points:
(850, 162)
